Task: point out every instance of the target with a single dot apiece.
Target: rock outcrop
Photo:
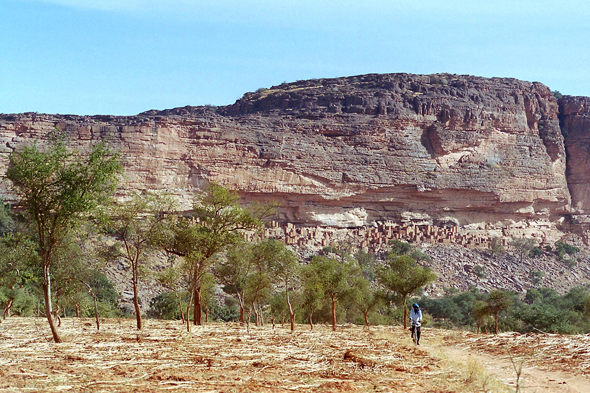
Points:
(347, 152)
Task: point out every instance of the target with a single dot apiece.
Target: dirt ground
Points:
(228, 358)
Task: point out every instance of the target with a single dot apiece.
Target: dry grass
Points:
(217, 358)
(551, 352)
(225, 358)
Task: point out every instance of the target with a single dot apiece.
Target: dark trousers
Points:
(416, 330)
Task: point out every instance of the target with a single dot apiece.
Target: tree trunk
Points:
(310, 320)
(47, 298)
(188, 311)
(96, 311)
(255, 313)
(261, 315)
(7, 308)
(56, 313)
(180, 308)
(405, 313)
(496, 323)
(206, 314)
(197, 312)
(248, 320)
(136, 305)
(95, 305)
(241, 305)
(333, 312)
(290, 308)
(366, 316)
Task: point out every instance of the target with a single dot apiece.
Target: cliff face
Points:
(575, 121)
(351, 151)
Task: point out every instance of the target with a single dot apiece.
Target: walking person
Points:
(416, 319)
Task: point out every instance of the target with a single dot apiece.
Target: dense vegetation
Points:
(541, 310)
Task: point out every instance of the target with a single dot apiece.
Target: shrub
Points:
(562, 248)
(165, 305)
(536, 252)
(496, 246)
(400, 248)
(479, 271)
(569, 262)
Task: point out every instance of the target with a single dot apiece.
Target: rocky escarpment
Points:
(575, 122)
(346, 152)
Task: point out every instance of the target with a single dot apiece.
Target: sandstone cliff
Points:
(346, 152)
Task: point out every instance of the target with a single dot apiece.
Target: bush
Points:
(536, 252)
(496, 246)
(562, 248)
(165, 305)
(569, 262)
(536, 276)
(400, 248)
(479, 271)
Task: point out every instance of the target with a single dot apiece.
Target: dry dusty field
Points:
(226, 358)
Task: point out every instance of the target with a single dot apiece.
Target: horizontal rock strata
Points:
(348, 152)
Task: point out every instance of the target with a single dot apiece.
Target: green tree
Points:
(481, 311)
(523, 246)
(171, 278)
(57, 189)
(209, 300)
(496, 246)
(257, 289)
(366, 295)
(18, 258)
(233, 271)
(497, 301)
(136, 226)
(404, 277)
(284, 268)
(313, 291)
(399, 247)
(216, 221)
(334, 278)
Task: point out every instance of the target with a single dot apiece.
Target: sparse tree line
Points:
(68, 228)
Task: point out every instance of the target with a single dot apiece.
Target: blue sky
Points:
(122, 57)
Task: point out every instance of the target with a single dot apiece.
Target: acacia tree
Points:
(233, 271)
(523, 246)
(258, 285)
(366, 295)
(312, 291)
(480, 312)
(403, 276)
(57, 189)
(497, 301)
(284, 268)
(334, 277)
(136, 225)
(216, 221)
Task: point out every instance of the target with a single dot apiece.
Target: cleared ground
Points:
(228, 358)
